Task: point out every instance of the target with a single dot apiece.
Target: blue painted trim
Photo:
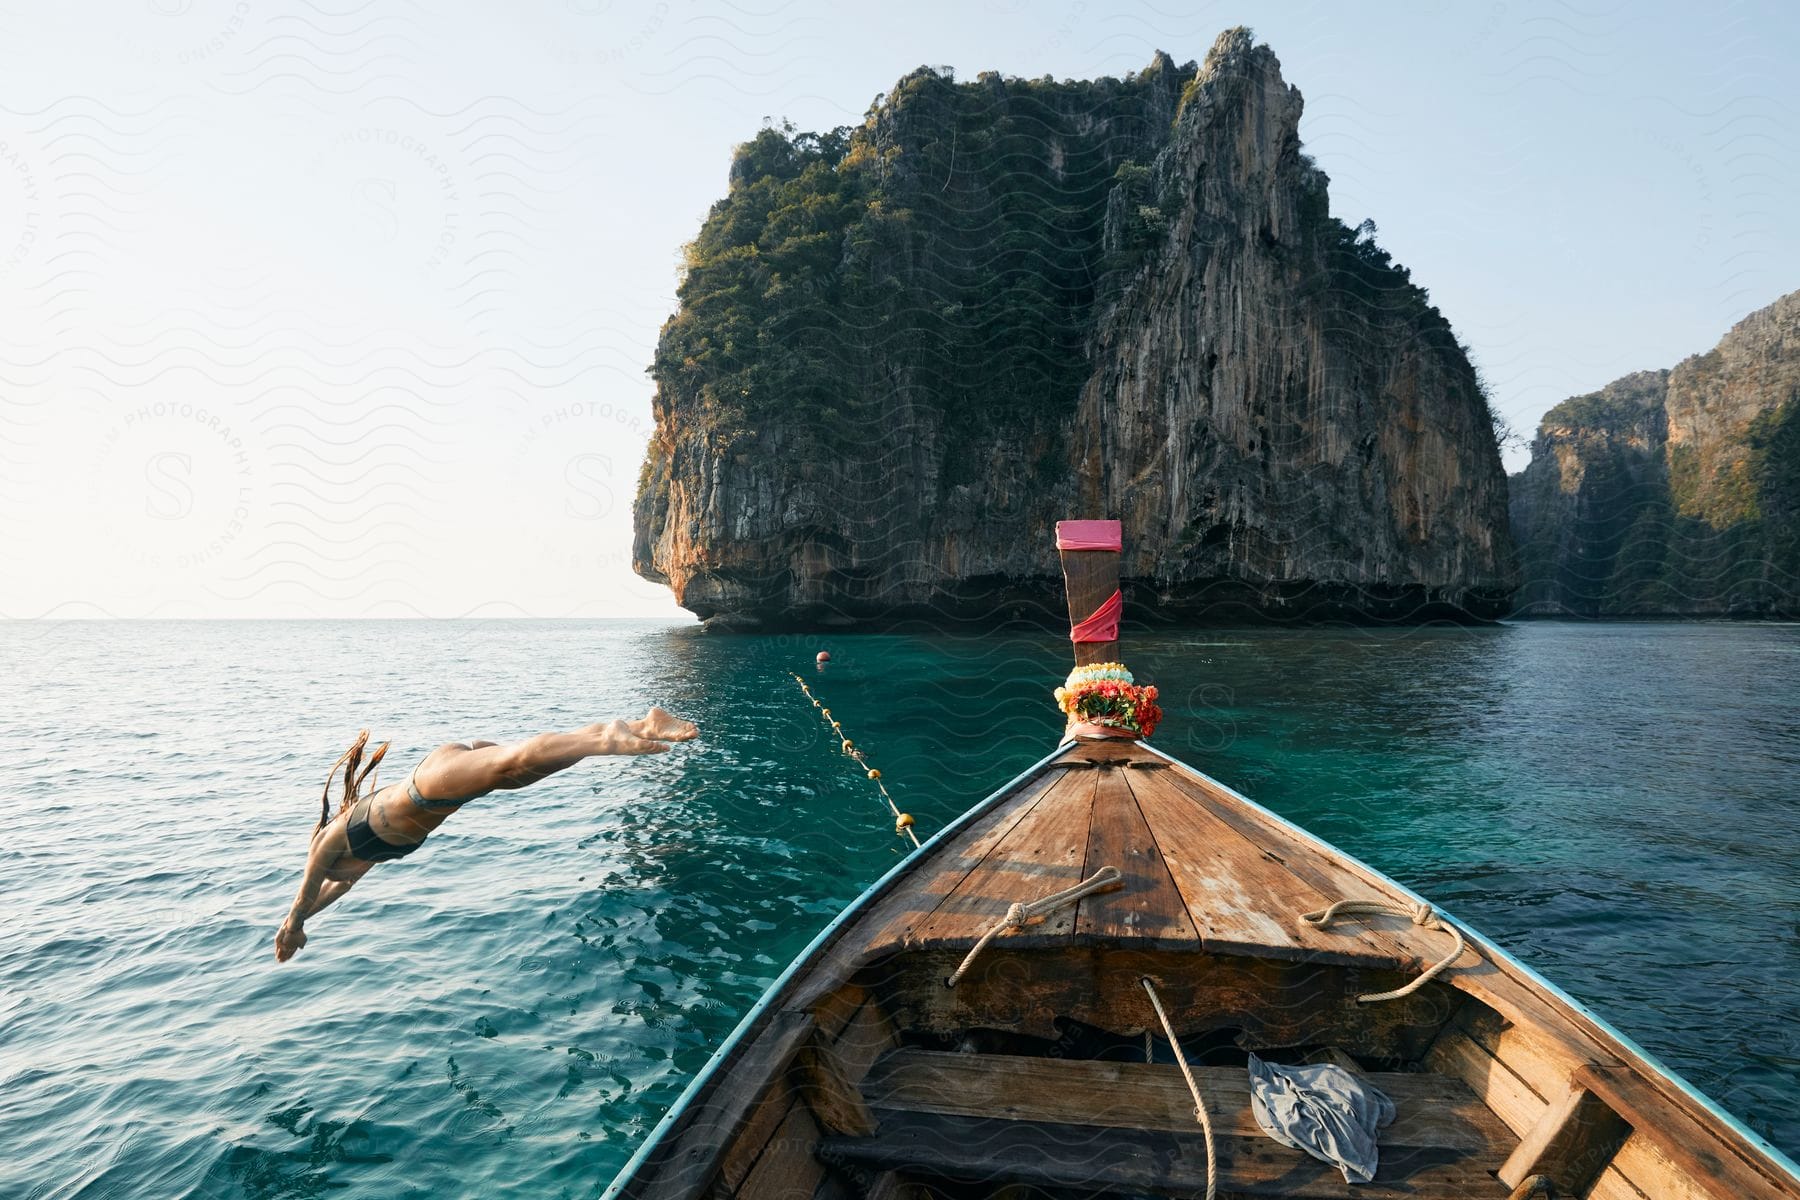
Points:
(1756, 1140)
(751, 1018)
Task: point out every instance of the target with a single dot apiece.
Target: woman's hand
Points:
(290, 939)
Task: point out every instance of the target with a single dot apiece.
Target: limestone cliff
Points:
(905, 349)
(1278, 415)
(1672, 493)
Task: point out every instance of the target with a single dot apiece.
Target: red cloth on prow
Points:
(1088, 535)
(1103, 626)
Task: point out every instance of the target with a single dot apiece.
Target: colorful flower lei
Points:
(1096, 672)
(1106, 694)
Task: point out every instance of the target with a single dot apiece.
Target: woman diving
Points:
(391, 822)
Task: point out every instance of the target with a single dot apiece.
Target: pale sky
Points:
(343, 309)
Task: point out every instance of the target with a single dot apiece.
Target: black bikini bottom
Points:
(369, 846)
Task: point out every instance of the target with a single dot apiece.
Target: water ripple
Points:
(513, 1009)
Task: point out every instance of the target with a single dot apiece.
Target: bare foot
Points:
(664, 726)
(621, 737)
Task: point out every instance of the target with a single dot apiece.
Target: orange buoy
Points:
(824, 656)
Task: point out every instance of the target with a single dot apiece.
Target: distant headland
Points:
(1672, 493)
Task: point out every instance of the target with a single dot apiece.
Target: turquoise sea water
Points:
(510, 1010)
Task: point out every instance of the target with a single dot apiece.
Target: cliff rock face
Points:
(1277, 414)
(1672, 493)
(906, 349)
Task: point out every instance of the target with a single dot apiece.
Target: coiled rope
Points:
(1421, 915)
(1105, 879)
(903, 822)
(1212, 1169)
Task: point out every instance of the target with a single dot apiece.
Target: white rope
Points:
(1421, 915)
(1212, 1181)
(1105, 879)
(903, 822)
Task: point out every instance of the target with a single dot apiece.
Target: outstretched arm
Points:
(326, 848)
(459, 773)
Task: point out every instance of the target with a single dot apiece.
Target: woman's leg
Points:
(458, 772)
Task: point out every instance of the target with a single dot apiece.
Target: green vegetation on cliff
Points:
(937, 254)
(765, 264)
(1775, 440)
(1672, 492)
(952, 250)
(1605, 409)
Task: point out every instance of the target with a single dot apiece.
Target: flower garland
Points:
(1106, 694)
(1097, 672)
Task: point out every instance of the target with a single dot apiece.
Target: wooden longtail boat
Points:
(1048, 1069)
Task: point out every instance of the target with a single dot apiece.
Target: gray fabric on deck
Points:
(1324, 1110)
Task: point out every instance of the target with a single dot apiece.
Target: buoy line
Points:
(903, 821)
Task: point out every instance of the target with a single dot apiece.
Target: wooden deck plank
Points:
(788, 1168)
(1542, 1042)
(689, 1158)
(913, 902)
(1546, 1042)
(1647, 1170)
(1118, 750)
(1613, 1186)
(1571, 1143)
(1042, 853)
(1148, 909)
(1241, 900)
(1545, 1065)
(830, 1067)
(821, 1079)
(834, 1011)
(1327, 877)
(1690, 1145)
(765, 1118)
(1432, 1110)
(1266, 1002)
(998, 1151)
(1456, 1054)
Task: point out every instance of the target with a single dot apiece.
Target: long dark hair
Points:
(355, 771)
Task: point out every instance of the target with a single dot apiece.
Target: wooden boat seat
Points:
(1110, 1126)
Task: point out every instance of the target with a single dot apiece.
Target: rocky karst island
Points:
(905, 349)
(1672, 492)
